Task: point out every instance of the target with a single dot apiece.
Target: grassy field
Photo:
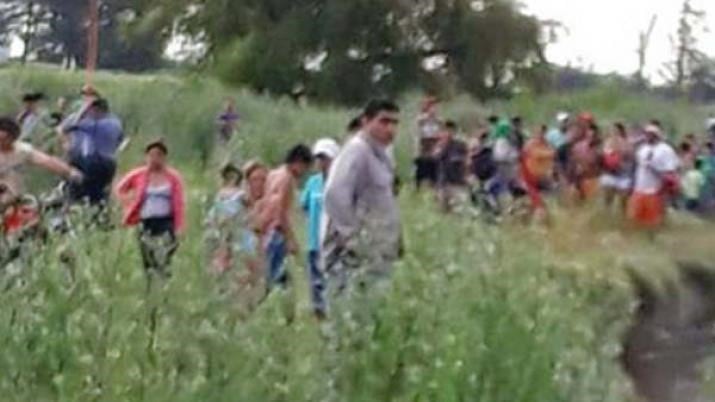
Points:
(476, 313)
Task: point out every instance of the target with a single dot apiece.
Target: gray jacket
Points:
(360, 209)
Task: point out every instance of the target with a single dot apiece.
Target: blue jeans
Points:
(317, 282)
(276, 252)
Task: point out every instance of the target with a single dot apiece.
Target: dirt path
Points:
(672, 334)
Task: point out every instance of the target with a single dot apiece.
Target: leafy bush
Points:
(475, 312)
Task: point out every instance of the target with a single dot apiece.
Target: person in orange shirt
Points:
(586, 164)
(537, 168)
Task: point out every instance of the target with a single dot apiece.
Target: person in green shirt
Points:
(693, 183)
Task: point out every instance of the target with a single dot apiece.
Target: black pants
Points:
(157, 242)
(425, 170)
(98, 174)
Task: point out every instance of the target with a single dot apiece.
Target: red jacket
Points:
(137, 180)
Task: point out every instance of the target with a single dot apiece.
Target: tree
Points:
(56, 31)
(349, 50)
(702, 88)
(687, 56)
(11, 13)
(643, 45)
(23, 20)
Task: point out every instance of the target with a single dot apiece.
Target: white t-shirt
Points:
(429, 126)
(12, 166)
(654, 161)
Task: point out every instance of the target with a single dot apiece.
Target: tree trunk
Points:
(28, 33)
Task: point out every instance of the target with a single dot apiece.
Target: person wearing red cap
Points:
(656, 176)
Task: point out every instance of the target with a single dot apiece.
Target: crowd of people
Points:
(348, 198)
(633, 170)
(348, 192)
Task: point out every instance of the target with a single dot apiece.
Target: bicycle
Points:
(28, 220)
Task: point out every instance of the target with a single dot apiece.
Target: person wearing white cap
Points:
(710, 126)
(324, 151)
(656, 176)
(557, 136)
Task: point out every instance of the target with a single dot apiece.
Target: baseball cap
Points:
(327, 147)
(89, 90)
(653, 129)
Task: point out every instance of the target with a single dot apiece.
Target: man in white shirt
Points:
(657, 164)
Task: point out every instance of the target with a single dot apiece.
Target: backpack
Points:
(612, 162)
(483, 165)
(671, 184)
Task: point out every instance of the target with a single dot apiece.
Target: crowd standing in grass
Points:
(636, 169)
(354, 234)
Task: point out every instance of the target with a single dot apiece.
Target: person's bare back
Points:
(274, 209)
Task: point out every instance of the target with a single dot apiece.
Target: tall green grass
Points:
(472, 316)
(476, 313)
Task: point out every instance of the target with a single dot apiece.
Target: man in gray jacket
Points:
(361, 232)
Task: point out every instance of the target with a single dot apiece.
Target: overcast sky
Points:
(603, 34)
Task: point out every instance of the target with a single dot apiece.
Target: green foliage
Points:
(475, 313)
(466, 319)
(382, 46)
(55, 31)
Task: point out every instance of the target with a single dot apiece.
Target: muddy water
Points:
(673, 332)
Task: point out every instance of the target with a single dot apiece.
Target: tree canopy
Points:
(349, 50)
(55, 31)
(340, 51)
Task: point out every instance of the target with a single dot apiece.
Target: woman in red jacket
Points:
(153, 199)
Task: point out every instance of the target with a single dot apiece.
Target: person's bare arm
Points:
(54, 165)
(287, 189)
(125, 191)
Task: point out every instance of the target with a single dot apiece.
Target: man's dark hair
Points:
(450, 125)
(657, 123)
(355, 124)
(33, 97)
(101, 105)
(375, 106)
(299, 154)
(516, 120)
(621, 128)
(9, 126)
(685, 146)
(229, 169)
(493, 119)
